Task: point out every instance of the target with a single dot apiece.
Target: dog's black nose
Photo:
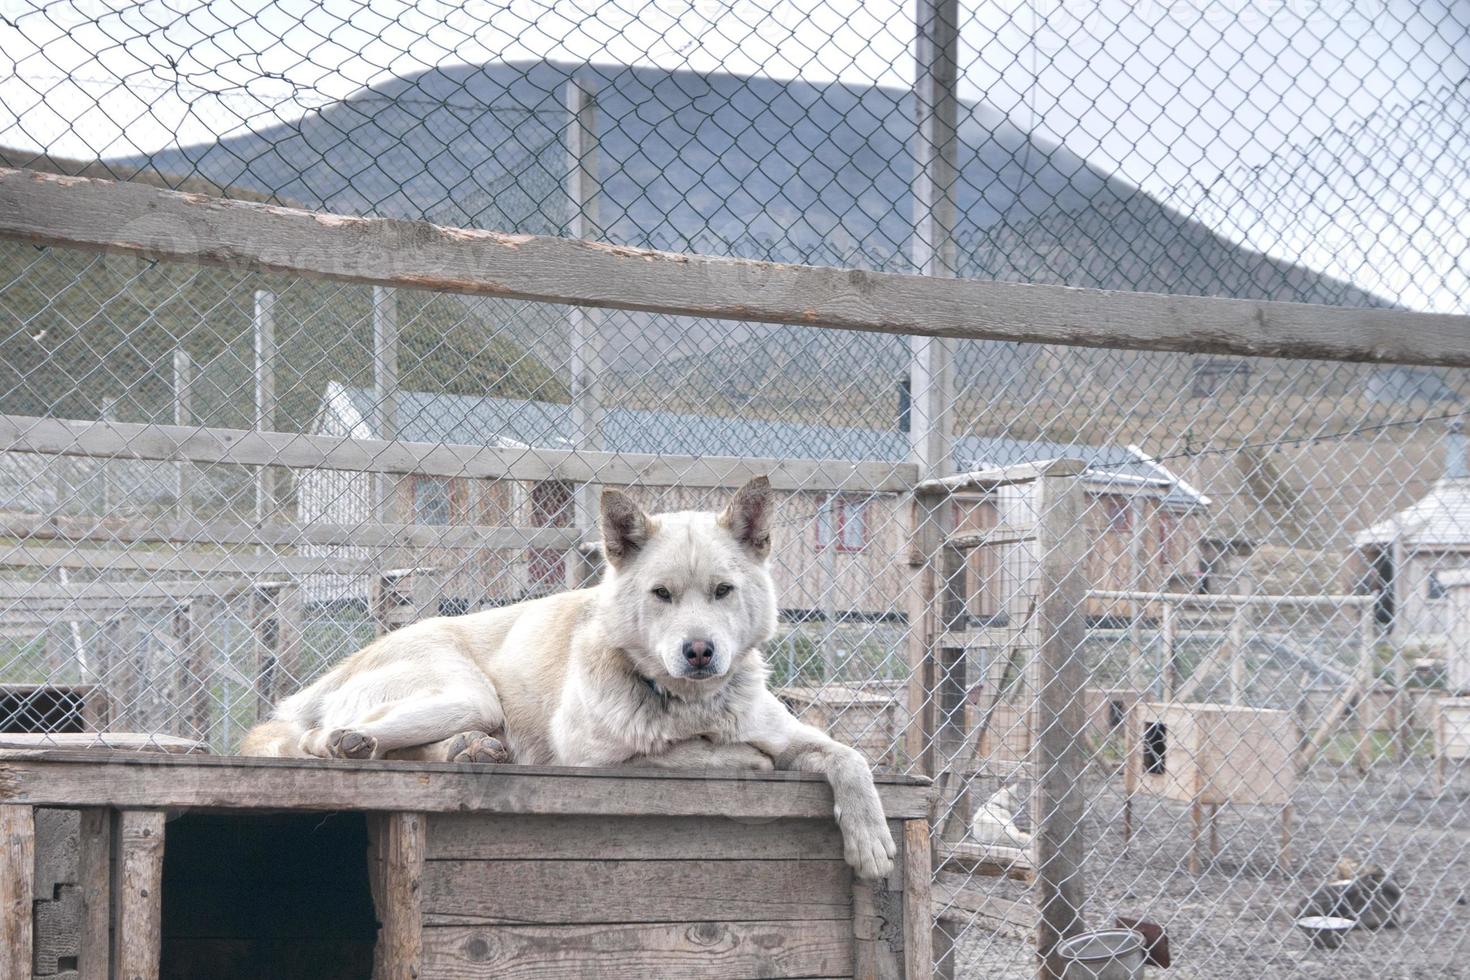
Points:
(698, 653)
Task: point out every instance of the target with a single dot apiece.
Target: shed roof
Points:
(468, 420)
(1439, 519)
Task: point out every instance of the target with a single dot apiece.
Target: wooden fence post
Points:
(137, 894)
(1058, 718)
(17, 880)
(398, 847)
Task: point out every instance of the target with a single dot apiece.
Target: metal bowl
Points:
(1326, 931)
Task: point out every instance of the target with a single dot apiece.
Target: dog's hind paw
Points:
(477, 747)
(346, 743)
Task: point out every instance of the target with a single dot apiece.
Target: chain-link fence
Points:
(1270, 613)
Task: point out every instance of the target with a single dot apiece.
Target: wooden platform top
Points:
(52, 777)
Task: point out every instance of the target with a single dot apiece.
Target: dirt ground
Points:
(1236, 918)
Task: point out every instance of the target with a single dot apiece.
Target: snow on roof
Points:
(1440, 518)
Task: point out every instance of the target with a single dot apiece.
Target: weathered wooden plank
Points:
(17, 892)
(57, 778)
(492, 837)
(918, 916)
(135, 219)
(137, 895)
(877, 929)
(51, 594)
(178, 560)
(958, 901)
(245, 447)
(400, 845)
(985, 860)
(120, 741)
(696, 950)
(585, 892)
(279, 534)
(94, 881)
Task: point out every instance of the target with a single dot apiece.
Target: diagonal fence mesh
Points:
(1273, 616)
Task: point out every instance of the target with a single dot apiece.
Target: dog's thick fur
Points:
(602, 676)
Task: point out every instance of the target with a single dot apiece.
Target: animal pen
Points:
(1102, 501)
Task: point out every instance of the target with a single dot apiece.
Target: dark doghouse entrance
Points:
(267, 897)
(1155, 747)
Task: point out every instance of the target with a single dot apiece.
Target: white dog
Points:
(994, 822)
(657, 665)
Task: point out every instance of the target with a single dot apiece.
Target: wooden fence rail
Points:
(135, 219)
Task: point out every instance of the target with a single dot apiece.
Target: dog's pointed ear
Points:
(748, 516)
(625, 528)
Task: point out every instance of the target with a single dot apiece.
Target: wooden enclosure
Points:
(1208, 755)
(1451, 736)
(326, 869)
(866, 720)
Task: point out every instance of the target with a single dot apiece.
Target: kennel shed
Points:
(327, 869)
(1209, 755)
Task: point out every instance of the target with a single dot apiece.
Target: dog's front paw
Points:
(867, 845)
(345, 743)
(477, 747)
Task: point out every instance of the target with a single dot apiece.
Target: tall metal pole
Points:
(265, 395)
(586, 361)
(935, 603)
(184, 415)
(385, 386)
(936, 108)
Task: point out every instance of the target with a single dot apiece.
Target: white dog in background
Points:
(994, 823)
(658, 665)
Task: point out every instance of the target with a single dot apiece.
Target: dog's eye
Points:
(663, 594)
(723, 589)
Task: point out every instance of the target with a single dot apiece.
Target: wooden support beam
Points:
(400, 846)
(243, 447)
(136, 219)
(918, 912)
(1059, 720)
(922, 601)
(94, 879)
(17, 880)
(137, 894)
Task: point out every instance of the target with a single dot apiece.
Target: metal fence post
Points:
(1059, 717)
(584, 365)
(184, 415)
(265, 395)
(931, 372)
(385, 387)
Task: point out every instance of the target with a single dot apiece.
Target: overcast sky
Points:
(1169, 95)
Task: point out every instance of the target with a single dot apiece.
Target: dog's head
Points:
(689, 593)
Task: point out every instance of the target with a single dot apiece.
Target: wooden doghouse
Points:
(240, 868)
(1451, 736)
(1208, 755)
(864, 719)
